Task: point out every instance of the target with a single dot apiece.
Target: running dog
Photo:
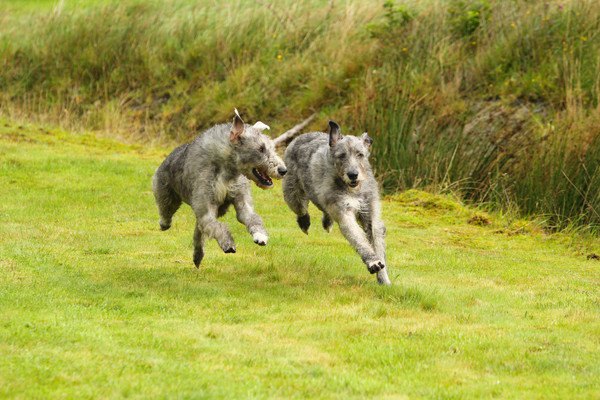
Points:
(213, 172)
(333, 172)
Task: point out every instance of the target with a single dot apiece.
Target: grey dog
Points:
(333, 172)
(212, 173)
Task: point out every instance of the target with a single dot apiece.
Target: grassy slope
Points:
(95, 301)
(496, 99)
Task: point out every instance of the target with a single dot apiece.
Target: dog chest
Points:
(351, 203)
(220, 190)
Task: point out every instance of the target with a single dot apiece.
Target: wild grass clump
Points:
(172, 68)
(497, 101)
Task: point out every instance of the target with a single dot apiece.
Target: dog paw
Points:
(260, 238)
(228, 246)
(375, 266)
(198, 256)
(230, 249)
(327, 223)
(304, 223)
(164, 226)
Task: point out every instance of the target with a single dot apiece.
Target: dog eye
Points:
(341, 156)
(263, 148)
(360, 155)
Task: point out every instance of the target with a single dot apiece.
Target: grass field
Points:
(97, 302)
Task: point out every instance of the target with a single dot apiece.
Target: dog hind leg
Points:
(296, 199)
(198, 246)
(167, 200)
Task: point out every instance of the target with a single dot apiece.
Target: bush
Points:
(467, 16)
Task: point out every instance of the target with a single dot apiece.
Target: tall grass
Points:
(179, 66)
(495, 100)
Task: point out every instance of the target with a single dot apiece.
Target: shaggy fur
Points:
(212, 173)
(333, 172)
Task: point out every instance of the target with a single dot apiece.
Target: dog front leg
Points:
(375, 230)
(253, 222)
(209, 226)
(359, 240)
(378, 240)
(379, 247)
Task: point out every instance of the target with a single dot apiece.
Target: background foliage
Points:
(494, 100)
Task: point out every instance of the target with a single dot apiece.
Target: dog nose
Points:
(352, 175)
(282, 171)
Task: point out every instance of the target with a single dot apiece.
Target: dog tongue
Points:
(266, 178)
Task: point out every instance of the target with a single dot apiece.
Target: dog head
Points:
(256, 156)
(349, 155)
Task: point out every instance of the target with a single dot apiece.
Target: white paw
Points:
(260, 238)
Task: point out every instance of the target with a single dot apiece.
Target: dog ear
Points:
(237, 128)
(261, 126)
(335, 133)
(367, 140)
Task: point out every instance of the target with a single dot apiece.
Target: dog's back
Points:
(302, 148)
(299, 155)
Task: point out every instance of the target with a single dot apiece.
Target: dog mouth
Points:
(353, 184)
(263, 180)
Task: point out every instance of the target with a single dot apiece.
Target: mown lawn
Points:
(97, 302)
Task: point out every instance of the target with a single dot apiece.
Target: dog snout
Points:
(282, 171)
(352, 175)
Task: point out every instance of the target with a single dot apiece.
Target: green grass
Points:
(97, 302)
